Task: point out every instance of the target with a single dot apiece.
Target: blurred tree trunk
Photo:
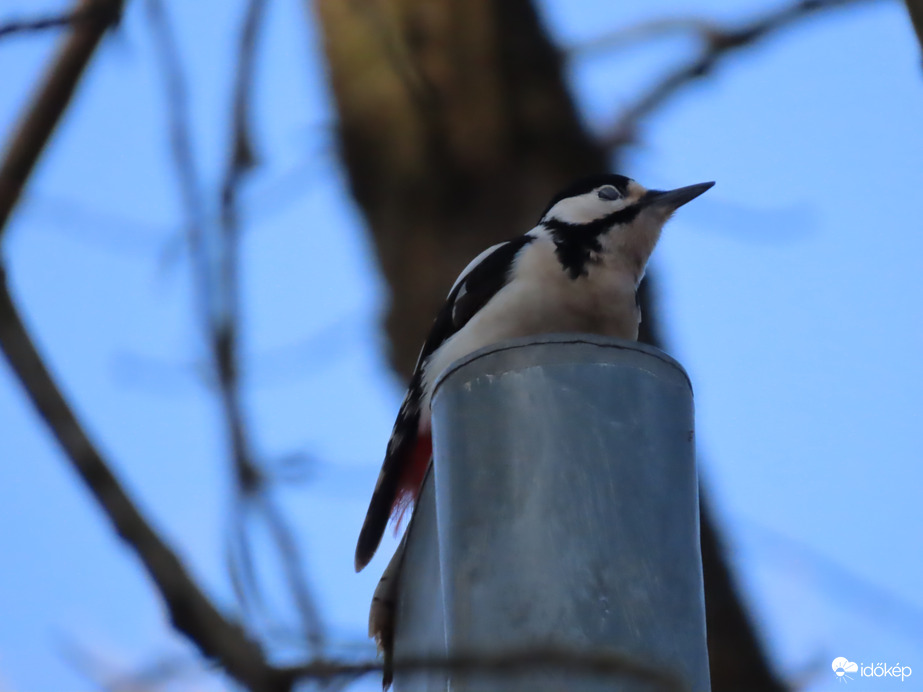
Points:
(455, 128)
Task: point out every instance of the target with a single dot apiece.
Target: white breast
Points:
(543, 299)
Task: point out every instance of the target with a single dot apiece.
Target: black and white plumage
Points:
(578, 270)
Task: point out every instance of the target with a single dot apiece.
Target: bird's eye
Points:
(608, 192)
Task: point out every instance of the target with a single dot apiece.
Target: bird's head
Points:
(614, 212)
(614, 199)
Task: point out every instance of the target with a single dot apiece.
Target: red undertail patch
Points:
(412, 479)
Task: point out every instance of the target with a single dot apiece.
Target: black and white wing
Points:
(407, 456)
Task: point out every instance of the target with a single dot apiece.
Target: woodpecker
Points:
(578, 270)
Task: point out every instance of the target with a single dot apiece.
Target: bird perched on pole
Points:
(578, 270)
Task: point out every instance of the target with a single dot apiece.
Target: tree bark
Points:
(455, 127)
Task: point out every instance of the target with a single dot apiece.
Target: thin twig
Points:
(719, 45)
(252, 491)
(885, 606)
(42, 114)
(226, 318)
(97, 227)
(217, 293)
(273, 197)
(626, 36)
(295, 574)
(215, 285)
(182, 157)
(190, 610)
(109, 676)
(178, 113)
(241, 565)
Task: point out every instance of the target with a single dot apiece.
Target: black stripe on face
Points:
(575, 242)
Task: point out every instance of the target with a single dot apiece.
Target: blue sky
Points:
(790, 293)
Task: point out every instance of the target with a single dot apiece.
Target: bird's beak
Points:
(670, 200)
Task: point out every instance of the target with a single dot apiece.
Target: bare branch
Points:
(719, 44)
(503, 663)
(252, 491)
(192, 613)
(915, 8)
(42, 114)
(225, 319)
(217, 293)
(96, 11)
(190, 610)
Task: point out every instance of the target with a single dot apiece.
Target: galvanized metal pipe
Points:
(562, 516)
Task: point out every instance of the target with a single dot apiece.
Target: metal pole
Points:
(562, 517)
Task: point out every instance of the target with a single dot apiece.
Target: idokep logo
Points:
(842, 667)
